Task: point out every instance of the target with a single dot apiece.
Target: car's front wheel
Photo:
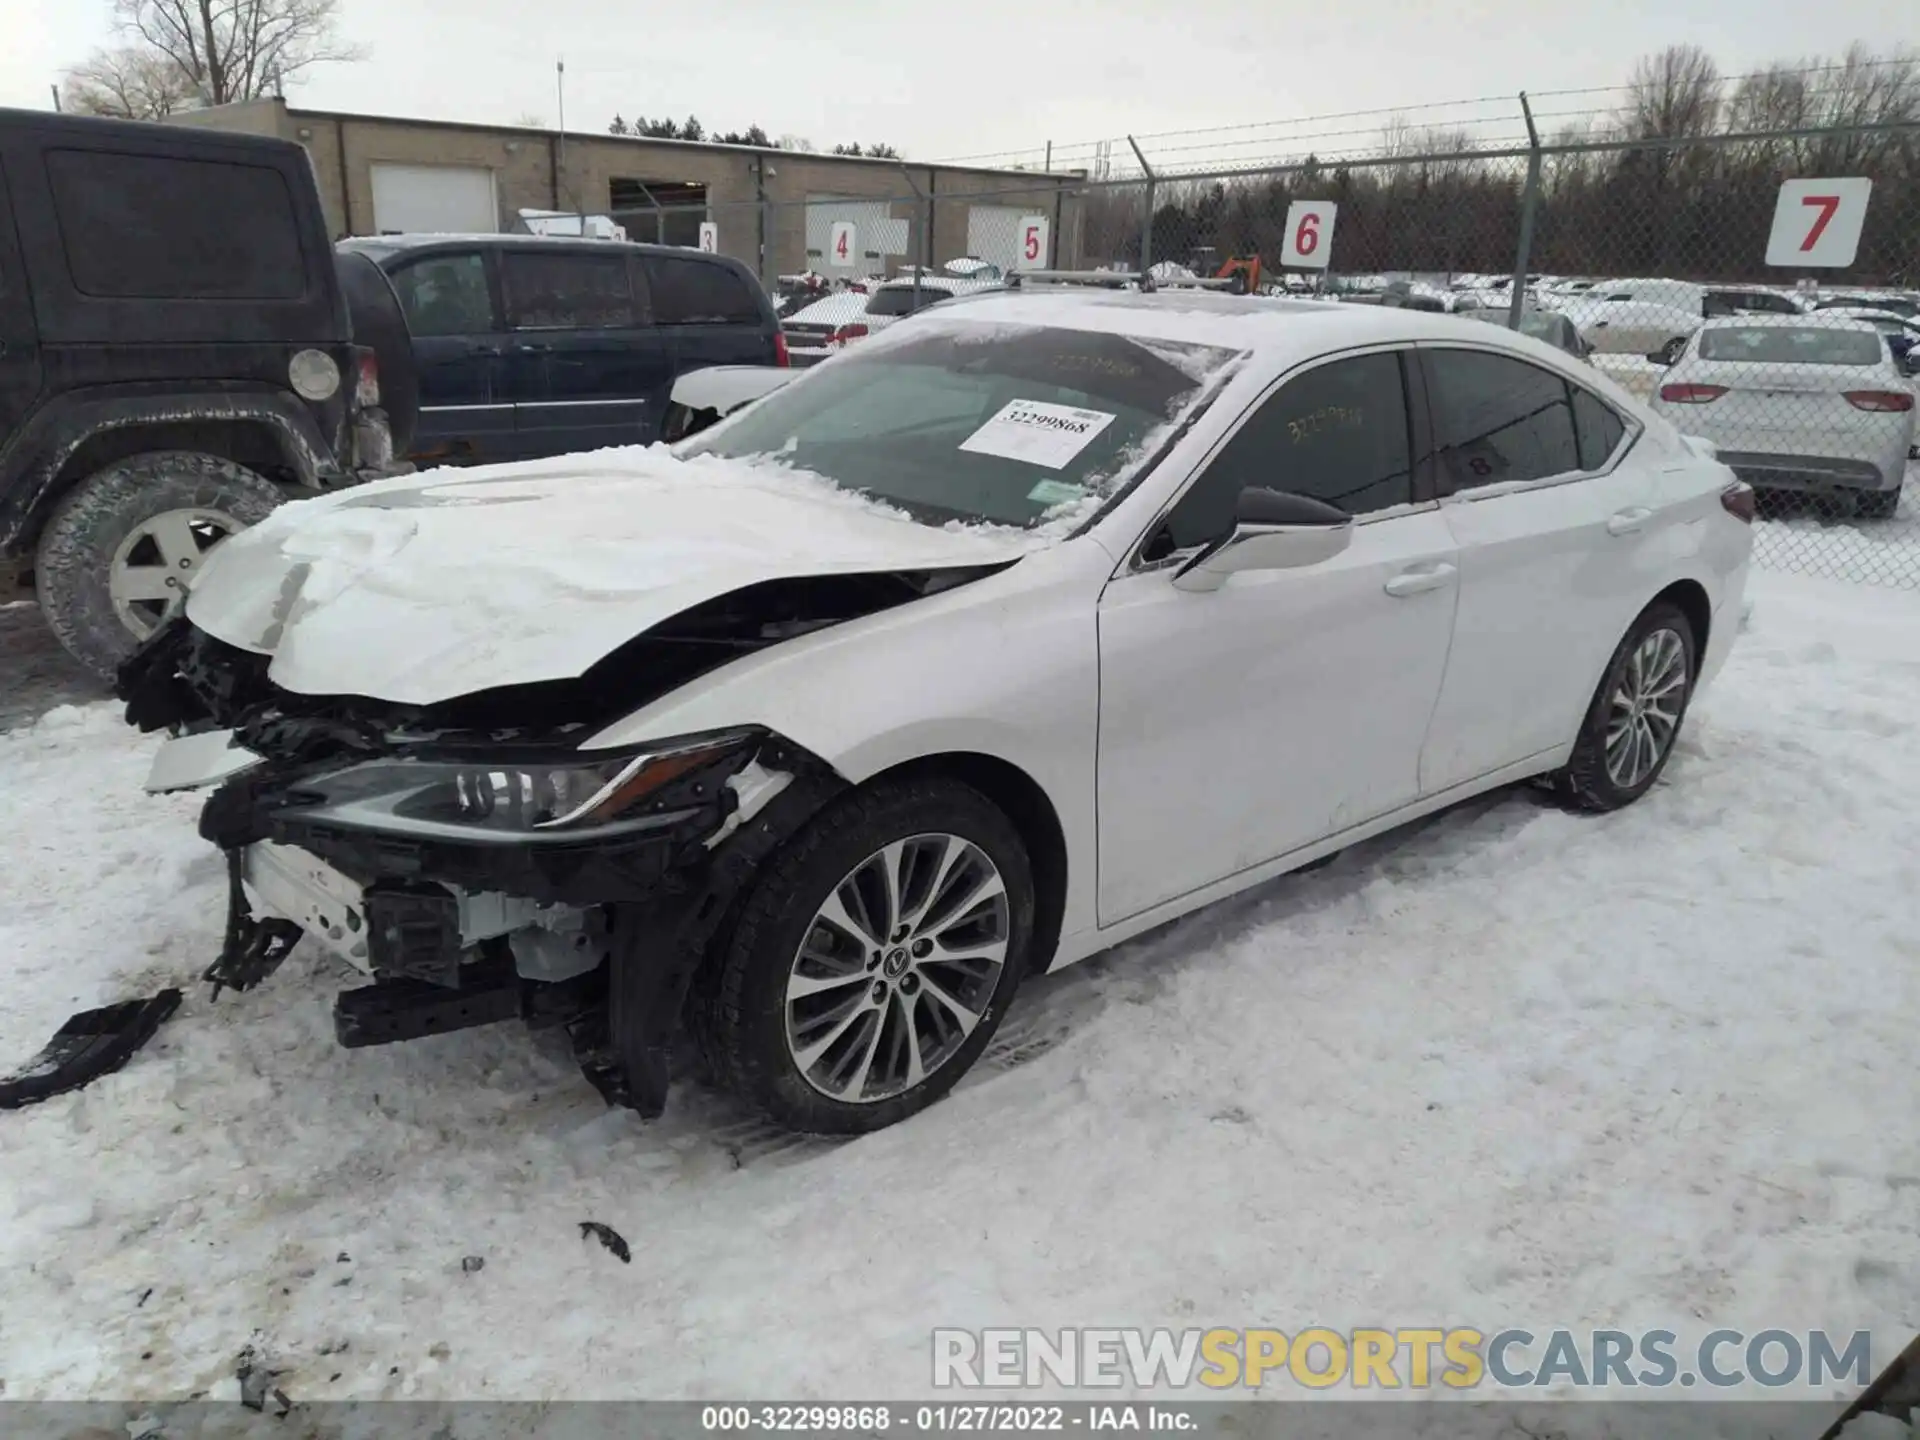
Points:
(872, 960)
(1635, 715)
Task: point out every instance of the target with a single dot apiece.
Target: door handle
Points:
(1625, 522)
(478, 349)
(532, 349)
(1426, 577)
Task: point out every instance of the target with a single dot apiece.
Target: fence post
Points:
(1146, 225)
(1529, 204)
(922, 216)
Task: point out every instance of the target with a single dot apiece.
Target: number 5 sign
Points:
(1309, 239)
(1033, 242)
(843, 244)
(1818, 222)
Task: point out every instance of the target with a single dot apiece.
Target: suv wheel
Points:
(871, 962)
(122, 547)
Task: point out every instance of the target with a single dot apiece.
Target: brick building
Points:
(773, 209)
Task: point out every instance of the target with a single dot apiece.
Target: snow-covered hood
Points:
(429, 587)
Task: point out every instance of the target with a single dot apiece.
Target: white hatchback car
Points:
(1010, 634)
(1805, 403)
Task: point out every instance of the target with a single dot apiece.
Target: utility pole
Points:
(560, 87)
(56, 97)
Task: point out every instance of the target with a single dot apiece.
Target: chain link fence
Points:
(1760, 288)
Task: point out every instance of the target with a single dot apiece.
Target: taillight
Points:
(1691, 394)
(1885, 401)
(847, 334)
(366, 380)
(1738, 501)
(782, 357)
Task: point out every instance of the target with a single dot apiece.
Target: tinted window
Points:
(1792, 345)
(1338, 433)
(153, 227)
(697, 292)
(1600, 429)
(1497, 419)
(446, 295)
(891, 300)
(962, 422)
(567, 291)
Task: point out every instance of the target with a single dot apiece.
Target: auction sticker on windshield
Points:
(1038, 433)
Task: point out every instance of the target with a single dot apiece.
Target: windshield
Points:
(1791, 345)
(999, 424)
(898, 299)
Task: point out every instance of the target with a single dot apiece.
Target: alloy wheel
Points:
(158, 559)
(897, 967)
(1644, 710)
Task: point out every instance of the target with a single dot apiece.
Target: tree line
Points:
(667, 128)
(1695, 205)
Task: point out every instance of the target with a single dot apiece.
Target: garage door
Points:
(993, 233)
(877, 233)
(434, 199)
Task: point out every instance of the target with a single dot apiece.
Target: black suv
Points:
(529, 345)
(176, 359)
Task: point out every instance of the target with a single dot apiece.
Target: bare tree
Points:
(127, 83)
(1673, 95)
(232, 50)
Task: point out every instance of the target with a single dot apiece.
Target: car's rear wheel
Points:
(124, 546)
(873, 959)
(1877, 504)
(1635, 717)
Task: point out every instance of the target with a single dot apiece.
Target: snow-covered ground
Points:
(1514, 1067)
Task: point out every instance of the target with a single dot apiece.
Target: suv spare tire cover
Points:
(381, 326)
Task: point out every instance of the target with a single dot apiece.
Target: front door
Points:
(1244, 723)
(1555, 529)
(459, 347)
(19, 339)
(588, 367)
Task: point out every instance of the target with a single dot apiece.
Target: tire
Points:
(1589, 781)
(753, 1034)
(1877, 504)
(106, 524)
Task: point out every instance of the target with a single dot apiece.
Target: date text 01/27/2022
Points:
(976, 1419)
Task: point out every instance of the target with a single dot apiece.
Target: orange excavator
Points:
(1242, 268)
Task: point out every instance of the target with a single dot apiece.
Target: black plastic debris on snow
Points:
(91, 1044)
(609, 1237)
(472, 1264)
(257, 1390)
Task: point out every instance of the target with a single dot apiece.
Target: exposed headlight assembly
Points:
(569, 798)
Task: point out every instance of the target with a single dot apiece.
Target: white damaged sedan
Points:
(1015, 632)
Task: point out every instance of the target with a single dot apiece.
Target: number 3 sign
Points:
(1818, 222)
(1309, 240)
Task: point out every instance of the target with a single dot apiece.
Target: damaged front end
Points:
(473, 872)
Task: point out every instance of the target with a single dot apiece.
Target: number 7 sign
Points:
(1818, 222)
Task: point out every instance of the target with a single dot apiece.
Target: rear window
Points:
(156, 227)
(698, 292)
(898, 300)
(1792, 345)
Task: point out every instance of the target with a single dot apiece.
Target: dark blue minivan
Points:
(532, 345)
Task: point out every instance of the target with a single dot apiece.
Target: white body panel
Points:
(727, 387)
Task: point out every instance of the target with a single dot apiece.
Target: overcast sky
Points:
(970, 76)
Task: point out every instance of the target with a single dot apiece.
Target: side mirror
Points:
(1667, 354)
(1273, 530)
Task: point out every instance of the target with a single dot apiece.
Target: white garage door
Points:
(434, 199)
(993, 233)
(877, 233)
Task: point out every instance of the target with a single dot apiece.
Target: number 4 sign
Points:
(1309, 239)
(843, 244)
(1818, 222)
(1033, 242)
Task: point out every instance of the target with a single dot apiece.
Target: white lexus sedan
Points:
(1006, 636)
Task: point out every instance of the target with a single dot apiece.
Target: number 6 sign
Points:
(1818, 222)
(1309, 239)
(1033, 242)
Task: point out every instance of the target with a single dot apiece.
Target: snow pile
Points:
(1514, 1067)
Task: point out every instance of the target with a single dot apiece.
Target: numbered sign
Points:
(1033, 242)
(843, 244)
(1818, 222)
(709, 237)
(1309, 240)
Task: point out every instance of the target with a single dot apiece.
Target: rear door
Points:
(459, 347)
(712, 311)
(1557, 531)
(588, 366)
(19, 341)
